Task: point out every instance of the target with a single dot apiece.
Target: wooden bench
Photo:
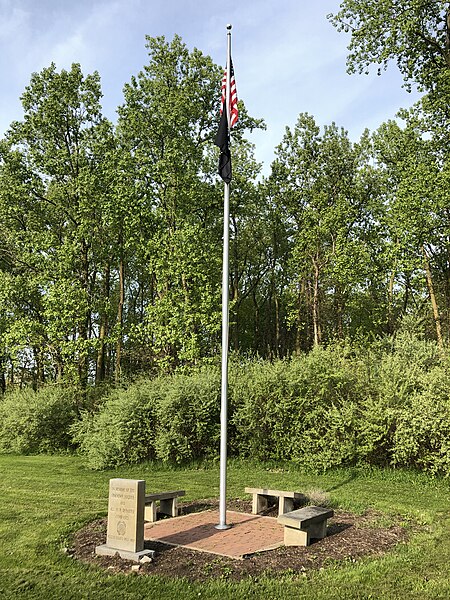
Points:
(305, 523)
(263, 497)
(167, 504)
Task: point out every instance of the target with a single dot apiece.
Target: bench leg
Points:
(168, 507)
(259, 503)
(295, 537)
(302, 537)
(150, 512)
(318, 530)
(285, 505)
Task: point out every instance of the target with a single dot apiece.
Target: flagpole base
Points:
(222, 526)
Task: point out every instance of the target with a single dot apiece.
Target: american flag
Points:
(233, 96)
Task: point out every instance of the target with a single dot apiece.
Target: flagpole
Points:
(225, 325)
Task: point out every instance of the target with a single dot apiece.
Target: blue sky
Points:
(287, 57)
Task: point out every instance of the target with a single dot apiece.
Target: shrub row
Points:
(37, 422)
(173, 419)
(387, 405)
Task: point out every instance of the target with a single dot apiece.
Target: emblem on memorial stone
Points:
(121, 527)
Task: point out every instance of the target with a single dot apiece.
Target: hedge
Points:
(384, 405)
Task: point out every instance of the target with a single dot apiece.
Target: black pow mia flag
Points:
(222, 140)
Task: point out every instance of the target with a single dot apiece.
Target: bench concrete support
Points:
(263, 497)
(296, 537)
(300, 526)
(285, 505)
(150, 512)
(167, 504)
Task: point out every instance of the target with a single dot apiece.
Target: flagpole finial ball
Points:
(229, 26)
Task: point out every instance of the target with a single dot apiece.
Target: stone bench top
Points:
(164, 495)
(266, 492)
(298, 519)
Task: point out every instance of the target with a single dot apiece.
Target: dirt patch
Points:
(350, 537)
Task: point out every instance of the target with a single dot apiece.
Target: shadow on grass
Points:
(337, 486)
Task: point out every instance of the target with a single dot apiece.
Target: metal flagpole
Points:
(224, 386)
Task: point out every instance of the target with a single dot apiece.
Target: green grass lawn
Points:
(43, 499)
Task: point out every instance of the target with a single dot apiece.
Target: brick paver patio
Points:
(249, 533)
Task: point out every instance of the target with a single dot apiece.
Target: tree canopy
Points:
(413, 33)
(111, 234)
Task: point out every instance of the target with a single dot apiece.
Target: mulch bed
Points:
(350, 537)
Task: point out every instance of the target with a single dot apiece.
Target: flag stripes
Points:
(222, 138)
(233, 101)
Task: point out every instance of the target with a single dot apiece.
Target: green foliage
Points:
(111, 237)
(259, 392)
(168, 117)
(324, 190)
(422, 436)
(111, 260)
(397, 370)
(341, 405)
(53, 196)
(37, 422)
(123, 431)
(175, 418)
(413, 33)
(336, 406)
(303, 410)
(188, 417)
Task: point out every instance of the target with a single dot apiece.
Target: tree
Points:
(52, 198)
(417, 212)
(111, 239)
(315, 181)
(167, 124)
(414, 33)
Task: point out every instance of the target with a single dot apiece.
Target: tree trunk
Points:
(235, 329)
(391, 324)
(436, 315)
(2, 375)
(298, 332)
(83, 324)
(302, 335)
(256, 321)
(11, 379)
(407, 293)
(100, 373)
(339, 311)
(235, 287)
(278, 344)
(315, 305)
(120, 316)
(39, 377)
